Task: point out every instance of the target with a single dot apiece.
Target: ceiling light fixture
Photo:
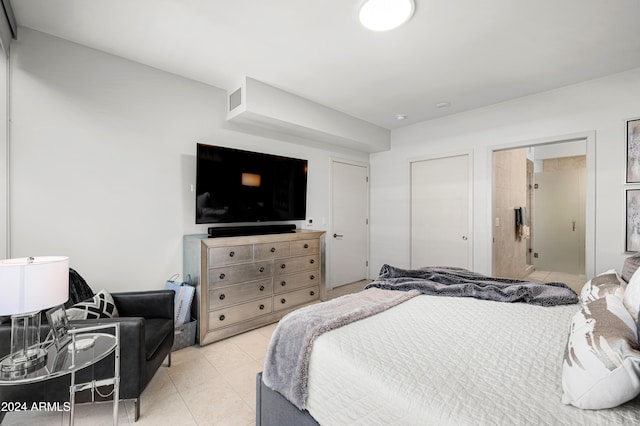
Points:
(401, 117)
(384, 15)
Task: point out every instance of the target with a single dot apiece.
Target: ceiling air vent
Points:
(257, 105)
(235, 99)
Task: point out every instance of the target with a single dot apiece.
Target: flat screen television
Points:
(235, 186)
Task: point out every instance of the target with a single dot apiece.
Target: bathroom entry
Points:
(556, 210)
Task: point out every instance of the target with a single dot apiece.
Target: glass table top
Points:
(89, 349)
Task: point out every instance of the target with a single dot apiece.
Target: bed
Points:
(419, 358)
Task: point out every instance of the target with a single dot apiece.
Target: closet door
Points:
(441, 212)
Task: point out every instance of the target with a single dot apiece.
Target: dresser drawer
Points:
(238, 313)
(220, 297)
(239, 273)
(219, 256)
(293, 281)
(271, 250)
(298, 297)
(302, 247)
(296, 264)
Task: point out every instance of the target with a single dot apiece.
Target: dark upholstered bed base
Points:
(273, 409)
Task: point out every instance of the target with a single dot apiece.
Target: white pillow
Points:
(608, 282)
(632, 295)
(601, 367)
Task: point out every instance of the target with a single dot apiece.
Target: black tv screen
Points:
(242, 186)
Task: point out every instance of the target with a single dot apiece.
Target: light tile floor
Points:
(208, 385)
(576, 282)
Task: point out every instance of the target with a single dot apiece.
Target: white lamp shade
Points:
(33, 285)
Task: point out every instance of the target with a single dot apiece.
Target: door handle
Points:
(337, 236)
(574, 226)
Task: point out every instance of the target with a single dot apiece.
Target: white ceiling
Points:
(467, 52)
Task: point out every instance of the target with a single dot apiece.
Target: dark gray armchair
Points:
(146, 337)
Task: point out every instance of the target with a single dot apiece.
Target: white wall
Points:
(567, 149)
(600, 105)
(103, 158)
(4, 159)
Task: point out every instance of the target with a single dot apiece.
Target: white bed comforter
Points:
(449, 361)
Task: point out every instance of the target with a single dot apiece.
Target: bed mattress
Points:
(450, 361)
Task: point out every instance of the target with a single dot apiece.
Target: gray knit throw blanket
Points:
(458, 282)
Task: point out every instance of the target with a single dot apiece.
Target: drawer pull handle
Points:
(283, 301)
(261, 288)
(283, 266)
(222, 276)
(306, 245)
(312, 261)
(283, 283)
(312, 293)
(222, 296)
(261, 307)
(221, 317)
(273, 249)
(312, 277)
(232, 253)
(261, 269)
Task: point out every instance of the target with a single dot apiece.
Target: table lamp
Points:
(27, 286)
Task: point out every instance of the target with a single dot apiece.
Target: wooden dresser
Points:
(247, 282)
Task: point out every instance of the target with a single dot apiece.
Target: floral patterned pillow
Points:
(604, 284)
(601, 367)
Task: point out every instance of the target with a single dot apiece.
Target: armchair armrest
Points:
(145, 304)
(132, 354)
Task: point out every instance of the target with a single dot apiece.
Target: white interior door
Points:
(559, 229)
(350, 220)
(441, 212)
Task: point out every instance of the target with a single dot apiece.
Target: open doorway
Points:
(539, 212)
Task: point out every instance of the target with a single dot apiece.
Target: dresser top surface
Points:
(300, 234)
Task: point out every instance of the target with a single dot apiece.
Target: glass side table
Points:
(85, 348)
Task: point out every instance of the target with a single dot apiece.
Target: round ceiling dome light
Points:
(384, 15)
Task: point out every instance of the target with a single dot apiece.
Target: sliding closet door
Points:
(441, 212)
